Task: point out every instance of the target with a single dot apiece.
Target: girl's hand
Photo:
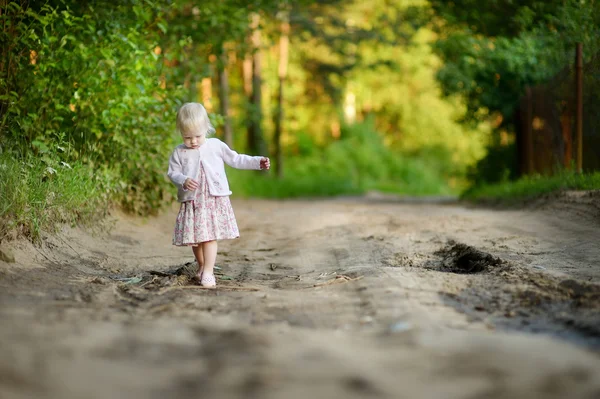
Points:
(265, 163)
(190, 184)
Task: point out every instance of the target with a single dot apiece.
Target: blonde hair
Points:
(192, 117)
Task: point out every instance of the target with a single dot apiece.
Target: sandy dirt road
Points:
(344, 298)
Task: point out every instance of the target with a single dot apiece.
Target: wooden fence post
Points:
(529, 132)
(579, 105)
(567, 135)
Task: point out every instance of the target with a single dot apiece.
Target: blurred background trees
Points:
(408, 96)
(494, 51)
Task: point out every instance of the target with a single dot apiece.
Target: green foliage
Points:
(95, 85)
(491, 51)
(418, 120)
(357, 163)
(36, 197)
(378, 54)
(495, 17)
(499, 165)
(91, 78)
(531, 187)
(92, 86)
(491, 70)
(491, 74)
(333, 37)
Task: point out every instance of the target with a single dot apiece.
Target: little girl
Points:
(197, 168)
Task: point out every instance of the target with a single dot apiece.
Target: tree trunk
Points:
(247, 76)
(206, 90)
(255, 140)
(283, 61)
(224, 96)
(206, 85)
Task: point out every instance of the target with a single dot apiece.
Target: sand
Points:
(343, 298)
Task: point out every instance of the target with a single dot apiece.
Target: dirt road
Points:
(344, 298)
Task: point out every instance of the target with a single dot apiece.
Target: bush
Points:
(93, 79)
(499, 165)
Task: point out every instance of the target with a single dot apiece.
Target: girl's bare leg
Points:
(209, 250)
(199, 258)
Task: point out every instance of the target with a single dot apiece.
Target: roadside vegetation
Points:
(532, 187)
(401, 96)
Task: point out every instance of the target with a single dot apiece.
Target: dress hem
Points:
(200, 242)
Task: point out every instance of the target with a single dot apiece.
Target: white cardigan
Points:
(185, 163)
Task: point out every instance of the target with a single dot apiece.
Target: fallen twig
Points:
(154, 279)
(337, 280)
(69, 245)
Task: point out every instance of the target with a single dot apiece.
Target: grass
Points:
(355, 165)
(294, 185)
(266, 185)
(531, 187)
(35, 197)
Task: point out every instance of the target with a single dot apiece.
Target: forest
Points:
(411, 97)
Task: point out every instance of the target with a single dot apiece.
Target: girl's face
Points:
(193, 139)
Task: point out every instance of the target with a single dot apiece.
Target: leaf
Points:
(50, 170)
(40, 145)
(13, 6)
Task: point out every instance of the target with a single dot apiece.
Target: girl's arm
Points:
(239, 161)
(175, 170)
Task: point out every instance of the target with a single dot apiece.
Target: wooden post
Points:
(565, 123)
(529, 132)
(579, 105)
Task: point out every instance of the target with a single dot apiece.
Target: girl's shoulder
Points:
(213, 141)
(178, 149)
(215, 144)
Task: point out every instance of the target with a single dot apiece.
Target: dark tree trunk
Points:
(224, 96)
(283, 61)
(256, 144)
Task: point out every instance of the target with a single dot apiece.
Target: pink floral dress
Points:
(205, 218)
